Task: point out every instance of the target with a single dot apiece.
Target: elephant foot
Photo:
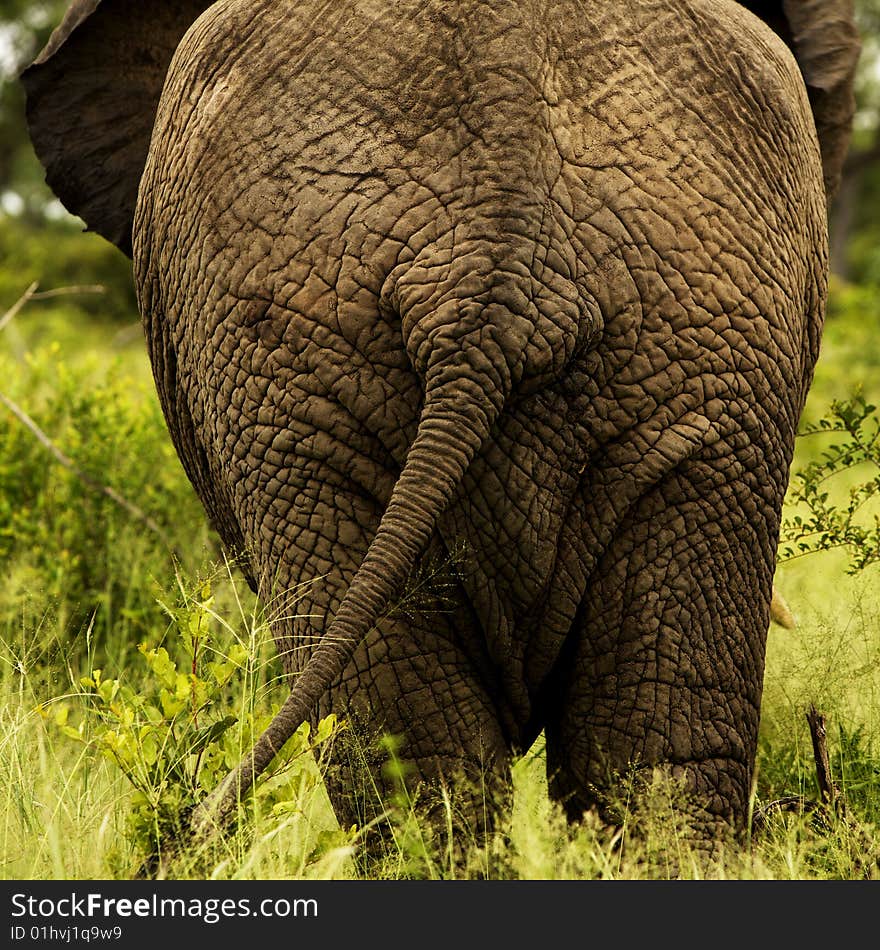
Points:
(416, 818)
(661, 828)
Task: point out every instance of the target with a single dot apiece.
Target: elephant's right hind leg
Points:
(664, 668)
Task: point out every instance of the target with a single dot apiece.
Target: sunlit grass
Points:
(64, 807)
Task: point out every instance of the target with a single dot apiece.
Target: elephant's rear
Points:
(532, 291)
(606, 233)
(386, 164)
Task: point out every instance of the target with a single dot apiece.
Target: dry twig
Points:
(830, 800)
(828, 791)
(33, 293)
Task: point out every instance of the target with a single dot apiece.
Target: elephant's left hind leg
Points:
(448, 762)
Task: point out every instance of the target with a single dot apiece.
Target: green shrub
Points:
(196, 709)
(68, 549)
(847, 518)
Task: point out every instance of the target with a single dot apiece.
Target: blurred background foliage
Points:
(39, 241)
(75, 564)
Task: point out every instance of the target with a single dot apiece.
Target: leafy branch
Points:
(826, 524)
(176, 736)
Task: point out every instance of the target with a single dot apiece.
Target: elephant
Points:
(482, 332)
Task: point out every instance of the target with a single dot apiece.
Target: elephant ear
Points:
(823, 37)
(92, 96)
(826, 45)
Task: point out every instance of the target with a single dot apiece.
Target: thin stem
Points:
(32, 293)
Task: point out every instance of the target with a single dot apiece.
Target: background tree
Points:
(24, 26)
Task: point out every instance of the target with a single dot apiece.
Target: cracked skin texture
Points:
(587, 251)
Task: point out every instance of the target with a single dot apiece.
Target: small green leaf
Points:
(161, 664)
(326, 727)
(212, 733)
(172, 705)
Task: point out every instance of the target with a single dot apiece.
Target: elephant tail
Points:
(454, 424)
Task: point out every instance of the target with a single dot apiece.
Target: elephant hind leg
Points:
(664, 668)
(422, 763)
(422, 673)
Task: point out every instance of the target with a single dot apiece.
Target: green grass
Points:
(82, 588)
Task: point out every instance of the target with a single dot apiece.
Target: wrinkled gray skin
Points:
(524, 296)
